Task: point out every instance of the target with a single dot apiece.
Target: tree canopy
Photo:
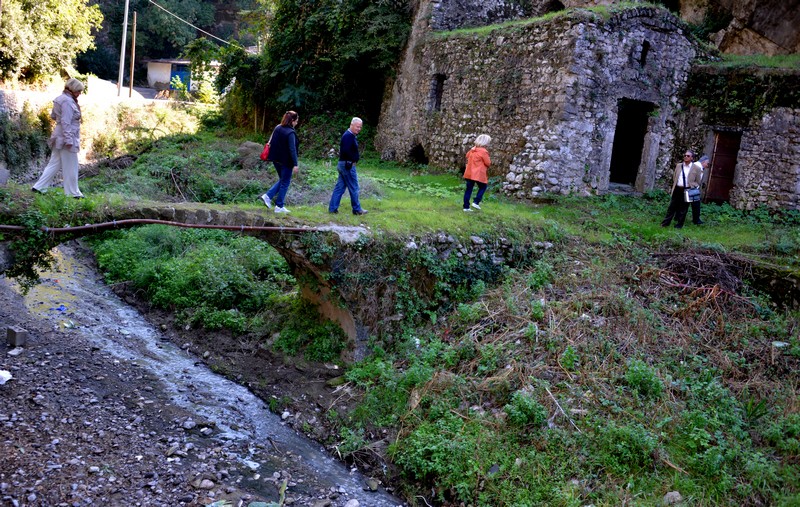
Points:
(323, 55)
(40, 37)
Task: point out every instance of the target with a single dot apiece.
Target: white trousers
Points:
(67, 162)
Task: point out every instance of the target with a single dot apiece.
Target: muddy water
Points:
(73, 297)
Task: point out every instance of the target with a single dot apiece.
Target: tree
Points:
(324, 55)
(40, 37)
(161, 35)
(328, 54)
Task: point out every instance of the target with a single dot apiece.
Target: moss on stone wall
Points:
(740, 96)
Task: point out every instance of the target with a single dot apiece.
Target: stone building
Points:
(582, 101)
(575, 102)
(748, 122)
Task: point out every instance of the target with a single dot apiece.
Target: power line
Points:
(195, 27)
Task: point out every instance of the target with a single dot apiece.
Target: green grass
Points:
(604, 11)
(791, 61)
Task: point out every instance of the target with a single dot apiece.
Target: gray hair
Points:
(704, 158)
(355, 120)
(483, 140)
(74, 85)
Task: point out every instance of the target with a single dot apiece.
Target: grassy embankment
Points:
(626, 362)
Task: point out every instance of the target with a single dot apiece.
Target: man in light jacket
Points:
(687, 175)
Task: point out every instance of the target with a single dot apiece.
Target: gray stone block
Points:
(17, 337)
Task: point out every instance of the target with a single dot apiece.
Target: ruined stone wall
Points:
(574, 154)
(547, 92)
(767, 171)
(763, 105)
(768, 165)
(452, 14)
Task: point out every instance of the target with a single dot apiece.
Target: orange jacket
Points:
(478, 163)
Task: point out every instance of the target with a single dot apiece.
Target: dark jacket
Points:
(283, 146)
(348, 148)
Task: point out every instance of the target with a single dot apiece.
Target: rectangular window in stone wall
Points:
(643, 53)
(437, 89)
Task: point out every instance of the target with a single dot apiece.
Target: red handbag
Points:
(265, 152)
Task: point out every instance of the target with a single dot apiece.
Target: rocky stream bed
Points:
(108, 408)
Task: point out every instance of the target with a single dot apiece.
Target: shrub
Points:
(643, 380)
(541, 275)
(784, 435)
(319, 340)
(23, 138)
(524, 410)
(213, 278)
(569, 359)
(623, 450)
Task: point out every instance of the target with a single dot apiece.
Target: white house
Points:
(160, 73)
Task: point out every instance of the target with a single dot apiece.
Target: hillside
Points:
(620, 362)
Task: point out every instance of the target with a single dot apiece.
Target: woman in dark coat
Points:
(283, 154)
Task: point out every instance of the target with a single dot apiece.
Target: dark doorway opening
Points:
(626, 155)
(554, 6)
(673, 6)
(723, 166)
(418, 155)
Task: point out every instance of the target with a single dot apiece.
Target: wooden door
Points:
(723, 166)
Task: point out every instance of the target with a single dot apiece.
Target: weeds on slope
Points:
(592, 377)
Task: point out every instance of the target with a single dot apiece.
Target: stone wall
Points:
(763, 107)
(452, 14)
(546, 91)
(768, 165)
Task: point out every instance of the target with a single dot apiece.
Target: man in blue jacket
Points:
(348, 178)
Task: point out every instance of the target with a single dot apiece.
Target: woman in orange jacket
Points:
(478, 163)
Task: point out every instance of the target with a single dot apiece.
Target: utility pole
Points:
(133, 53)
(122, 50)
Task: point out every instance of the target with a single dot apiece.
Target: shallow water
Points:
(73, 296)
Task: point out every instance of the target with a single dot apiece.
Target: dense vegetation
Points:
(322, 56)
(43, 37)
(624, 362)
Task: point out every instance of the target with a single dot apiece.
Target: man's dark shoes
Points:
(699, 222)
(360, 212)
(36, 190)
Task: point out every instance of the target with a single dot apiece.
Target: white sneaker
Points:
(281, 210)
(475, 205)
(467, 209)
(267, 201)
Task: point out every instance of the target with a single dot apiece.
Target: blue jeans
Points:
(468, 192)
(348, 180)
(281, 186)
